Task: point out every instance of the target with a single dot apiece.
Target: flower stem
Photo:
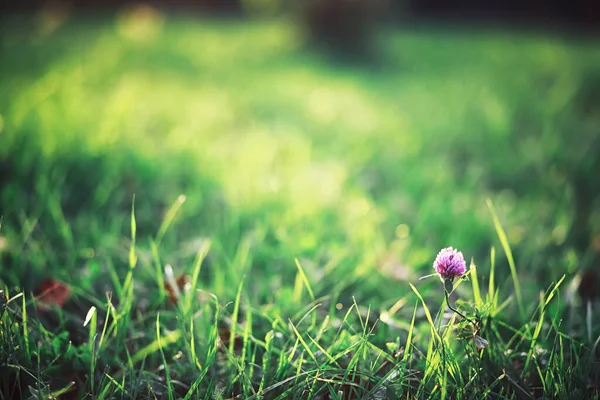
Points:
(455, 310)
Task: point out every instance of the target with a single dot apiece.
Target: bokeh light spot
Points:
(140, 23)
(402, 231)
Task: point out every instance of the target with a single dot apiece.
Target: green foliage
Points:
(302, 200)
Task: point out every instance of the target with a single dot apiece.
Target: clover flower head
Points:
(450, 264)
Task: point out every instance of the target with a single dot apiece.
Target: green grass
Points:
(303, 198)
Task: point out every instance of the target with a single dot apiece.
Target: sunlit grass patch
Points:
(220, 212)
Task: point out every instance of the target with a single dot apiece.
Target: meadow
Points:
(210, 209)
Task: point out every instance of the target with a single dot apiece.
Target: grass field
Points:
(207, 209)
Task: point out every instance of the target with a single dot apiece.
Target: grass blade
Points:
(235, 315)
(169, 217)
(200, 256)
(158, 344)
(132, 254)
(164, 359)
(304, 279)
(25, 329)
(475, 284)
(511, 262)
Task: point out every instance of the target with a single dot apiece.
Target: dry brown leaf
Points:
(52, 293)
(225, 338)
(175, 286)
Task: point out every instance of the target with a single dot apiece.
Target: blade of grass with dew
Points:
(511, 262)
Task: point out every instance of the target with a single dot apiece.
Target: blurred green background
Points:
(360, 153)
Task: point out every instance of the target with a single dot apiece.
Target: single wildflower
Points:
(450, 264)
